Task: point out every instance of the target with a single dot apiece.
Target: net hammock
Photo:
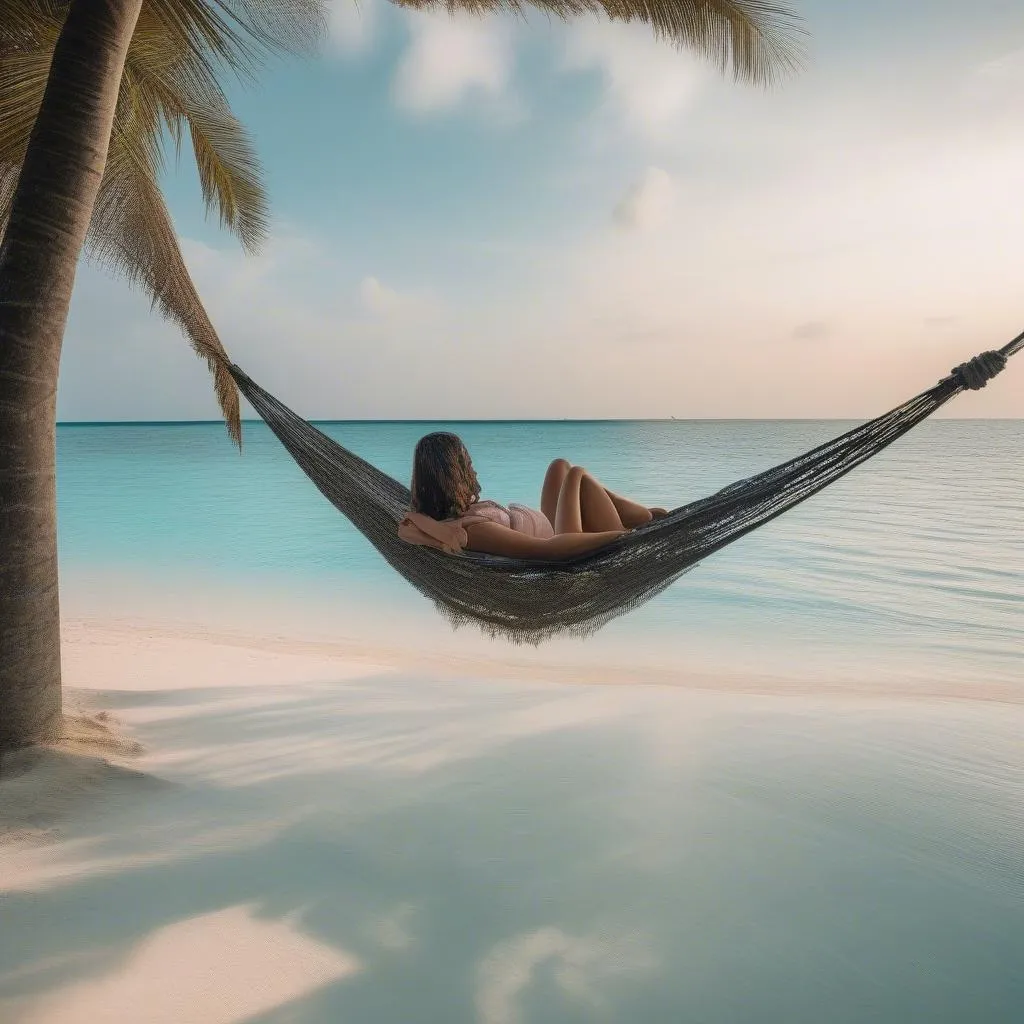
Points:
(531, 600)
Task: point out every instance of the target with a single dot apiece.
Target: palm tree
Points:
(163, 91)
(88, 87)
(168, 85)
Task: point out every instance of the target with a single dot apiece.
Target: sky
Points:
(499, 217)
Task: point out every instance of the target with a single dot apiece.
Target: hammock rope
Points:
(529, 600)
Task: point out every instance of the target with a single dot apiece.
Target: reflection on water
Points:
(493, 853)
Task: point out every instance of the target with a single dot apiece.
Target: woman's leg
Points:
(568, 513)
(632, 513)
(553, 481)
(599, 509)
(584, 506)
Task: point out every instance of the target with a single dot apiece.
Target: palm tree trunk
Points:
(49, 220)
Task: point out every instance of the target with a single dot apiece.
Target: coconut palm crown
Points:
(170, 86)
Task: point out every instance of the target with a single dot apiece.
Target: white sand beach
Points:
(244, 828)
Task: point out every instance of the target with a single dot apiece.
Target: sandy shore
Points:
(123, 653)
(258, 828)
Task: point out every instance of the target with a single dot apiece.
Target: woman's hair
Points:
(444, 484)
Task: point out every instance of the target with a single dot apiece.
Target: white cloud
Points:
(353, 25)
(299, 317)
(649, 84)
(390, 304)
(450, 59)
(997, 87)
(849, 252)
(1005, 73)
(377, 297)
(833, 219)
(648, 203)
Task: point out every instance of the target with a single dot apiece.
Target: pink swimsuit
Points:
(450, 534)
(520, 518)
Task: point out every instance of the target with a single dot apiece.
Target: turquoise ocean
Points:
(911, 567)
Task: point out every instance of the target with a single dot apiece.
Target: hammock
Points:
(530, 600)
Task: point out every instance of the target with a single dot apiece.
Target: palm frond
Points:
(26, 43)
(239, 34)
(23, 21)
(229, 170)
(169, 85)
(131, 233)
(279, 26)
(754, 40)
(8, 183)
(23, 74)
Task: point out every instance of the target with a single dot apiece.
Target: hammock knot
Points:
(977, 372)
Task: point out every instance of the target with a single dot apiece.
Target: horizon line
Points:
(534, 419)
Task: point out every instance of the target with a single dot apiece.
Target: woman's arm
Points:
(494, 539)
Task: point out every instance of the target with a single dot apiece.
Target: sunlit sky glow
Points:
(499, 218)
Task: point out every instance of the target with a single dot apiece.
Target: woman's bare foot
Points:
(652, 514)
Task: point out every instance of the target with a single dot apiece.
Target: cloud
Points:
(352, 25)
(875, 231)
(648, 203)
(377, 297)
(649, 84)
(999, 81)
(812, 330)
(861, 242)
(450, 59)
(391, 304)
(300, 317)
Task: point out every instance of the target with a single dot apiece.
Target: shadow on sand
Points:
(510, 855)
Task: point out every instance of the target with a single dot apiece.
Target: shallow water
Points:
(505, 853)
(913, 564)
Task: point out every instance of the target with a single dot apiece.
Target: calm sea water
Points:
(912, 564)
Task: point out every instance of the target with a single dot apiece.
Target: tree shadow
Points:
(371, 819)
(497, 855)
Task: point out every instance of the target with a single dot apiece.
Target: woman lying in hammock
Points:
(576, 515)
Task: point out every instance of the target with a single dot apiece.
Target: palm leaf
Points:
(229, 170)
(169, 84)
(24, 22)
(8, 183)
(238, 34)
(26, 46)
(753, 40)
(131, 233)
